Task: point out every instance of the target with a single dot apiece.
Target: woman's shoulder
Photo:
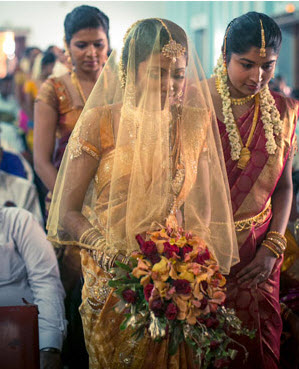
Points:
(284, 102)
(54, 92)
(102, 112)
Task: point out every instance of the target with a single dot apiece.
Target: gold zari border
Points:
(258, 219)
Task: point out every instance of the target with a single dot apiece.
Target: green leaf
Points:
(176, 338)
(232, 353)
(124, 324)
(123, 266)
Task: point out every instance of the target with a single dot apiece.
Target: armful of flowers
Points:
(173, 289)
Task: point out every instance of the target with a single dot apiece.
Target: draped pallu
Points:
(251, 190)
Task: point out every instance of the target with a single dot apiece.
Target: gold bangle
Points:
(277, 237)
(270, 248)
(99, 242)
(105, 262)
(112, 261)
(280, 235)
(93, 238)
(280, 241)
(277, 242)
(274, 246)
(85, 234)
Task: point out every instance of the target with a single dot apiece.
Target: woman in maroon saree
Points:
(257, 132)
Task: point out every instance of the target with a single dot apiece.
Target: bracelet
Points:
(89, 236)
(277, 243)
(274, 246)
(270, 248)
(277, 234)
(51, 349)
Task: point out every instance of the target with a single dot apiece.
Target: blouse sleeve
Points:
(92, 134)
(47, 94)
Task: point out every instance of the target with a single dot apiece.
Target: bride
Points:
(145, 150)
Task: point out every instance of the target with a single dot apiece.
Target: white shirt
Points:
(21, 192)
(29, 269)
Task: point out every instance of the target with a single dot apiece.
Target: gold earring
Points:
(68, 54)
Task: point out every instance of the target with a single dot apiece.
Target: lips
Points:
(253, 87)
(91, 63)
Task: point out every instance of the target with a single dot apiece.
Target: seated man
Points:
(29, 270)
(17, 191)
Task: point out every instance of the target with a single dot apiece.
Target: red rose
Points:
(200, 259)
(201, 320)
(149, 248)
(171, 311)
(170, 250)
(154, 259)
(203, 303)
(182, 286)
(148, 291)
(157, 306)
(185, 250)
(204, 285)
(140, 240)
(212, 322)
(129, 296)
(222, 363)
(214, 345)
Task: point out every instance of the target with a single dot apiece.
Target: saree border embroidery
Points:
(258, 219)
(77, 145)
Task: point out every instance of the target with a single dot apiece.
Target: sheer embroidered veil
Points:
(145, 147)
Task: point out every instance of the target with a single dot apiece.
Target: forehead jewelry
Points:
(172, 49)
(263, 42)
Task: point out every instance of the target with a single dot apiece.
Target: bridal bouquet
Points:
(173, 290)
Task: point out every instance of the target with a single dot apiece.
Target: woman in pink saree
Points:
(257, 132)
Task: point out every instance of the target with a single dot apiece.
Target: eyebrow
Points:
(99, 39)
(252, 62)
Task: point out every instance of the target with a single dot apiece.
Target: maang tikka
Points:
(263, 41)
(172, 49)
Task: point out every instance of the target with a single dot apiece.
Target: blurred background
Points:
(40, 23)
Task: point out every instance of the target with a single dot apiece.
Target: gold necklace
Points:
(76, 82)
(234, 101)
(245, 152)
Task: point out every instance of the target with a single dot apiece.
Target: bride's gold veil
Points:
(149, 141)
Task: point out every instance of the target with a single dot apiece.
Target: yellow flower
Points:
(184, 272)
(161, 269)
(162, 287)
(142, 269)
